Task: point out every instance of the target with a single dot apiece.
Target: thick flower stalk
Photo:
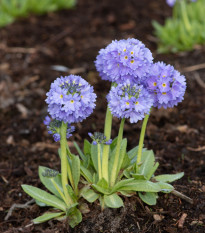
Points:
(124, 60)
(130, 101)
(70, 99)
(166, 85)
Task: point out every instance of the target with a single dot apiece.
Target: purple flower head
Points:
(166, 85)
(124, 60)
(100, 138)
(70, 99)
(129, 101)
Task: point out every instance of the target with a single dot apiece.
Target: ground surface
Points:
(28, 49)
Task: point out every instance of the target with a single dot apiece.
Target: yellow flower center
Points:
(126, 57)
(81, 96)
(164, 84)
(132, 61)
(137, 103)
(118, 53)
(127, 103)
(61, 96)
(155, 84)
(131, 52)
(72, 101)
(163, 76)
(124, 50)
(164, 93)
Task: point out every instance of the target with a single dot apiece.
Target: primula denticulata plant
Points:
(185, 30)
(105, 169)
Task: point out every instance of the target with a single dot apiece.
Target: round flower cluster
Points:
(130, 101)
(124, 60)
(166, 85)
(70, 99)
(53, 127)
(99, 138)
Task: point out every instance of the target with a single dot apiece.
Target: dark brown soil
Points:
(28, 49)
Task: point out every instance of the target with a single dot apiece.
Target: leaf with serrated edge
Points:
(47, 216)
(169, 177)
(113, 201)
(44, 197)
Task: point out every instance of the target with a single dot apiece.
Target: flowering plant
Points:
(105, 168)
(184, 30)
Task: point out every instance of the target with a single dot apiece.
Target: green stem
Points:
(64, 162)
(106, 148)
(117, 154)
(99, 162)
(185, 16)
(59, 191)
(142, 134)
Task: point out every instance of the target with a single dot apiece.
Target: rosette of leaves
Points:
(130, 179)
(62, 209)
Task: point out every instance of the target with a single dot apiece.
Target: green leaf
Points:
(48, 183)
(83, 157)
(133, 153)
(149, 198)
(71, 193)
(102, 186)
(75, 169)
(127, 193)
(87, 147)
(103, 183)
(101, 189)
(148, 161)
(74, 218)
(152, 171)
(86, 174)
(113, 144)
(126, 161)
(41, 204)
(44, 197)
(113, 201)
(121, 183)
(47, 216)
(123, 148)
(142, 186)
(168, 177)
(94, 156)
(138, 176)
(90, 195)
(165, 188)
